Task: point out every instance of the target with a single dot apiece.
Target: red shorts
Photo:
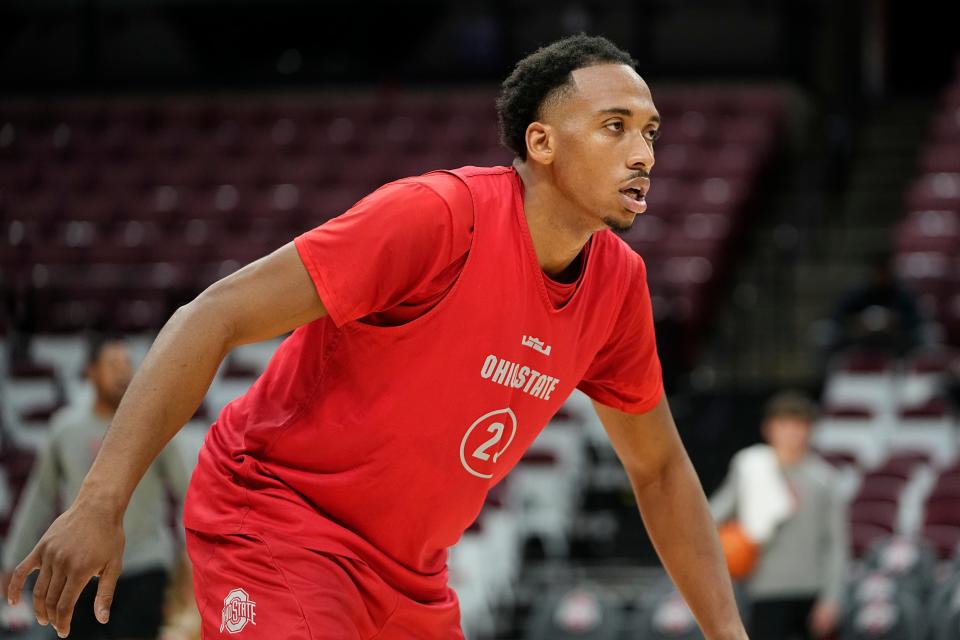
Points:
(249, 587)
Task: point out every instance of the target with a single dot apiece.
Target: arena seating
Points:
(888, 429)
(888, 425)
(899, 591)
(927, 240)
(879, 408)
(115, 211)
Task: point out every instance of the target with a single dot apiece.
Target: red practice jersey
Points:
(376, 431)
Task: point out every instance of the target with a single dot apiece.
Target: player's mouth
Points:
(634, 199)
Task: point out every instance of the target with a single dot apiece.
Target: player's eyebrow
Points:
(622, 111)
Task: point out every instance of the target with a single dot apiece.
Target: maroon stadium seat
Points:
(936, 191)
(946, 127)
(878, 513)
(904, 463)
(941, 157)
(930, 230)
(943, 510)
(935, 407)
(881, 488)
(947, 486)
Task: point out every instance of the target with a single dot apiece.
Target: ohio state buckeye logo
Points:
(238, 610)
(481, 445)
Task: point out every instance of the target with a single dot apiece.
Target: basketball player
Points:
(438, 325)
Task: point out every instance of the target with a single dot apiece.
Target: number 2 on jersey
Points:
(481, 451)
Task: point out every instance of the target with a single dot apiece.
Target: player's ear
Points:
(540, 142)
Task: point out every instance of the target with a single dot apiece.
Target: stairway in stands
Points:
(812, 245)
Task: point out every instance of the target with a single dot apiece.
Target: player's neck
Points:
(557, 231)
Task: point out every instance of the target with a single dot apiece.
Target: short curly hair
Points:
(540, 74)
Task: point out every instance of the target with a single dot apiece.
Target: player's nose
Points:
(641, 156)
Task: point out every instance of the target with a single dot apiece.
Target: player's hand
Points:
(84, 542)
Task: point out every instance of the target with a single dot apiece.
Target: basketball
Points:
(740, 551)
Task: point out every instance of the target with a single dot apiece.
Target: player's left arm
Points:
(675, 513)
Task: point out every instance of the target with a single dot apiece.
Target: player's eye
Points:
(616, 125)
(653, 135)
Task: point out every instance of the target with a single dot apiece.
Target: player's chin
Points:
(621, 221)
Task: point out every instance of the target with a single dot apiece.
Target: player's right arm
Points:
(265, 299)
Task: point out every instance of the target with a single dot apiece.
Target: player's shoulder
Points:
(615, 249)
(471, 171)
(456, 186)
(445, 185)
(484, 179)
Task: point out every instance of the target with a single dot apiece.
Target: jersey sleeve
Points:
(383, 249)
(625, 373)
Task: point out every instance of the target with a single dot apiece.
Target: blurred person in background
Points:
(437, 326)
(76, 434)
(879, 314)
(796, 585)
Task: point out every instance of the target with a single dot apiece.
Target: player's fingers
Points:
(105, 591)
(68, 601)
(40, 593)
(19, 575)
(57, 579)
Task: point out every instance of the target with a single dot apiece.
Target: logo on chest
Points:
(518, 376)
(536, 344)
